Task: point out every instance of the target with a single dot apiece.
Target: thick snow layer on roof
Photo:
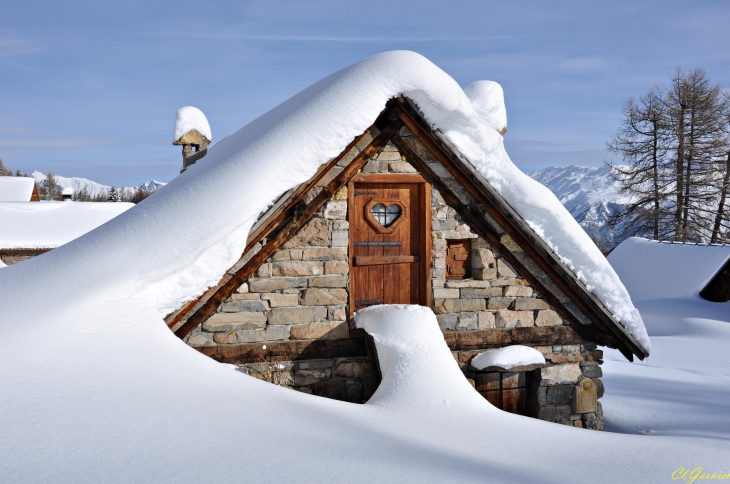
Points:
(508, 357)
(190, 118)
(16, 188)
(488, 100)
(43, 225)
(658, 270)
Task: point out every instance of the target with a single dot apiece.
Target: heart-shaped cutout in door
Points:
(385, 216)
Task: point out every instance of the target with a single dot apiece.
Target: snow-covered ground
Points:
(94, 386)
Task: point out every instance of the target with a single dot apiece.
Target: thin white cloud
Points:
(12, 47)
(66, 143)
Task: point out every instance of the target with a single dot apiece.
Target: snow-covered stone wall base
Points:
(302, 293)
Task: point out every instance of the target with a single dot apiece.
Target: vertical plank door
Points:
(387, 246)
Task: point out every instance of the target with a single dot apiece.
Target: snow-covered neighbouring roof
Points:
(663, 270)
(190, 118)
(508, 357)
(45, 225)
(16, 188)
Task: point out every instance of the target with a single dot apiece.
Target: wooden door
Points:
(390, 231)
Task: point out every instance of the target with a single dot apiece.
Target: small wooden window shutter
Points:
(458, 259)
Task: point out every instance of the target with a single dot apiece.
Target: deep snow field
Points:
(95, 388)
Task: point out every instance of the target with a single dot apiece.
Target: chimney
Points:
(192, 131)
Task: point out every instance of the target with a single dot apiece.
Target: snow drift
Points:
(16, 188)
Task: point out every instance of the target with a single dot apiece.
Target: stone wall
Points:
(301, 293)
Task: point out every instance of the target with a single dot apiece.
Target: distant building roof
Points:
(46, 225)
(16, 188)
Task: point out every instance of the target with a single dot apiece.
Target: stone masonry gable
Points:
(301, 294)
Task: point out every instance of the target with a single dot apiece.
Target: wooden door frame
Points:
(424, 192)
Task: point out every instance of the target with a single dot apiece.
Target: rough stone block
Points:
(480, 292)
(341, 194)
(514, 319)
(278, 300)
(314, 234)
(340, 238)
(246, 296)
(485, 320)
(518, 291)
(264, 270)
(319, 330)
(500, 302)
(372, 166)
(447, 322)
(200, 339)
(504, 269)
(468, 283)
(548, 414)
(467, 322)
(234, 321)
(324, 297)
(326, 253)
(444, 225)
(336, 314)
(510, 281)
(281, 255)
(438, 263)
(297, 315)
(335, 210)
(548, 317)
(295, 254)
(328, 281)
(438, 244)
(446, 293)
(297, 268)
(591, 369)
(336, 267)
(531, 305)
(266, 285)
(559, 394)
(242, 288)
(444, 306)
(401, 167)
(353, 369)
(565, 373)
(246, 305)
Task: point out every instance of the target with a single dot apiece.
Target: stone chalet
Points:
(401, 217)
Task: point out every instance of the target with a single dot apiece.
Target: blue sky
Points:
(91, 89)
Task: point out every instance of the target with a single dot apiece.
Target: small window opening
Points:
(506, 391)
(386, 215)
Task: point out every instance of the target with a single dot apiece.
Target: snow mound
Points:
(417, 366)
(488, 100)
(45, 225)
(508, 358)
(16, 188)
(190, 118)
(659, 270)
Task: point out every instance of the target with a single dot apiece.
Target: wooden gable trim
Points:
(289, 223)
(536, 262)
(34, 197)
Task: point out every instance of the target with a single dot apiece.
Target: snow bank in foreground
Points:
(417, 366)
(16, 188)
(45, 225)
(508, 357)
(190, 118)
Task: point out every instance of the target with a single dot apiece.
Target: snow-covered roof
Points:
(16, 188)
(508, 358)
(45, 225)
(488, 100)
(190, 118)
(659, 270)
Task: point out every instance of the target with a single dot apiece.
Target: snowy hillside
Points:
(92, 188)
(589, 194)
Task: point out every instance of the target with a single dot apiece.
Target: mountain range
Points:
(591, 197)
(93, 188)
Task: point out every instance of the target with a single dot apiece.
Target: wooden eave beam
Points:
(513, 224)
(290, 223)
